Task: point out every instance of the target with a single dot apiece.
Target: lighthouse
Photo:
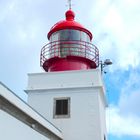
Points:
(70, 92)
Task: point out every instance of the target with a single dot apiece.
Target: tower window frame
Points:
(61, 107)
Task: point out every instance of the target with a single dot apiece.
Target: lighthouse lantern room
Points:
(70, 47)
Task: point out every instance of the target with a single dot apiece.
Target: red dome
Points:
(69, 23)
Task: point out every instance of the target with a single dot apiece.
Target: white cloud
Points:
(131, 3)
(120, 125)
(130, 104)
(130, 95)
(113, 20)
(120, 21)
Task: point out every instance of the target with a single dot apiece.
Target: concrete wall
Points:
(84, 121)
(102, 109)
(87, 106)
(66, 79)
(13, 129)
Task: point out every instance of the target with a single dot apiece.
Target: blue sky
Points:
(115, 26)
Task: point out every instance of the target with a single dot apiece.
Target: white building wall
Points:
(66, 79)
(13, 129)
(85, 89)
(102, 109)
(84, 112)
(17, 117)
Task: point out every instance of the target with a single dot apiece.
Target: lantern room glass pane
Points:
(69, 34)
(63, 35)
(85, 37)
(74, 35)
(54, 37)
(69, 42)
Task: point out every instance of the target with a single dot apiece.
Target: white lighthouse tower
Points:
(70, 94)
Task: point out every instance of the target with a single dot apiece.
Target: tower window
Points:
(61, 107)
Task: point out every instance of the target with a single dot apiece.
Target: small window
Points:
(61, 107)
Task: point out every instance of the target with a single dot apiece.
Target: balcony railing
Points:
(69, 48)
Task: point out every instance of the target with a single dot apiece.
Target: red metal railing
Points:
(69, 48)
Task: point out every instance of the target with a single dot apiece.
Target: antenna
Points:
(105, 63)
(69, 4)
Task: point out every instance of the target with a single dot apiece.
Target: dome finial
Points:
(70, 15)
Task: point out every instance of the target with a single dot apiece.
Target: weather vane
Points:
(69, 4)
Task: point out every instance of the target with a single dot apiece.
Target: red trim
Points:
(68, 63)
(69, 23)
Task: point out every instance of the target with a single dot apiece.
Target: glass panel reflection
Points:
(69, 34)
(70, 42)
